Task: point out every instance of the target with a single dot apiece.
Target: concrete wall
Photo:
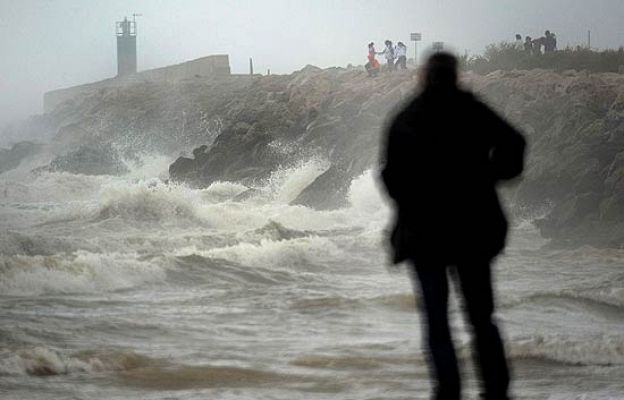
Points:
(217, 66)
(55, 97)
(211, 66)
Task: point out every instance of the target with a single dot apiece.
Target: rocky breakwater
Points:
(90, 160)
(245, 128)
(574, 122)
(123, 122)
(334, 114)
(575, 165)
(11, 158)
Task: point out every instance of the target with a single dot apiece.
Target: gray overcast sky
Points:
(48, 44)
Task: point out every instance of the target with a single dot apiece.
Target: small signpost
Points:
(438, 46)
(416, 37)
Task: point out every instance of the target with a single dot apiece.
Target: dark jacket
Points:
(444, 154)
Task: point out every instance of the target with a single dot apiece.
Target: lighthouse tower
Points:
(126, 47)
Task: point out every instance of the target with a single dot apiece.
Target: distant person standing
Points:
(519, 44)
(372, 66)
(400, 53)
(553, 39)
(528, 45)
(388, 53)
(537, 45)
(550, 42)
(444, 154)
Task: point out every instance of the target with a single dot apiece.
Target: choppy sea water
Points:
(125, 287)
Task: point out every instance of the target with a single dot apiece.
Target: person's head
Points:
(388, 43)
(400, 44)
(547, 33)
(528, 39)
(518, 37)
(441, 71)
(371, 45)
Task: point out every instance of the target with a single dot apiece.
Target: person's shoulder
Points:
(476, 104)
(467, 96)
(472, 97)
(415, 105)
(410, 111)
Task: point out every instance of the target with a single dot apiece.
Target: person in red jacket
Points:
(372, 66)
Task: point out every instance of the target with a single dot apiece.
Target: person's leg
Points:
(476, 284)
(433, 283)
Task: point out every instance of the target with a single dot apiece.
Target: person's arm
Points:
(390, 158)
(507, 155)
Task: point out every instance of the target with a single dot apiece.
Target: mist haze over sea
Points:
(193, 232)
(125, 287)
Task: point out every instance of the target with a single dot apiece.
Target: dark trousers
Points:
(372, 71)
(401, 63)
(476, 285)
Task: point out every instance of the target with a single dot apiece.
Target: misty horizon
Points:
(189, 231)
(52, 45)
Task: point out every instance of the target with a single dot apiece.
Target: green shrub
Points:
(504, 56)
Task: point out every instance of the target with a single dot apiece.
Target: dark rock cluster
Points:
(11, 158)
(90, 160)
(575, 165)
(334, 114)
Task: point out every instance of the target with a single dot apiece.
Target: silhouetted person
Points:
(400, 52)
(388, 53)
(537, 45)
(553, 41)
(372, 66)
(550, 42)
(518, 43)
(528, 45)
(445, 152)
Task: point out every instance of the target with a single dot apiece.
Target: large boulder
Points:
(90, 160)
(241, 153)
(11, 158)
(575, 126)
(328, 191)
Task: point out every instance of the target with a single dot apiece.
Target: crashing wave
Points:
(147, 202)
(45, 361)
(606, 350)
(78, 272)
(15, 243)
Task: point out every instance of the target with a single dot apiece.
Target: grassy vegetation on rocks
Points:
(504, 56)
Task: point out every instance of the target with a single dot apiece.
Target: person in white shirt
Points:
(400, 52)
(519, 44)
(388, 53)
